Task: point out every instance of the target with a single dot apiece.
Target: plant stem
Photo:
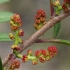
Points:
(53, 40)
(31, 57)
(16, 38)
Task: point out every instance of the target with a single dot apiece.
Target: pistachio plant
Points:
(41, 27)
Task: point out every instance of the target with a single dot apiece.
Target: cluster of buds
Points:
(15, 22)
(67, 2)
(40, 19)
(65, 7)
(15, 25)
(42, 55)
(56, 3)
(15, 65)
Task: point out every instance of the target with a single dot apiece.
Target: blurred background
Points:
(27, 10)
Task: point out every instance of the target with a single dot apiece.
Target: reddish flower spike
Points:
(52, 49)
(15, 64)
(16, 19)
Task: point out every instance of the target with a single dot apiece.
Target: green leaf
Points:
(3, 1)
(1, 64)
(5, 16)
(57, 28)
(4, 37)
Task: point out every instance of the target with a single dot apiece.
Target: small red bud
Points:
(15, 47)
(29, 52)
(25, 58)
(42, 59)
(34, 62)
(21, 32)
(52, 49)
(38, 53)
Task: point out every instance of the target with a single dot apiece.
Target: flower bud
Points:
(21, 32)
(15, 64)
(14, 28)
(34, 62)
(42, 59)
(29, 52)
(52, 49)
(38, 53)
(25, 58)
(15, 47)
(11, 23)
(11, 36)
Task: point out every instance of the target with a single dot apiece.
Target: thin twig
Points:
(60, 41)
(37, 34)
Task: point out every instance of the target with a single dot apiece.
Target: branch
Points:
(60, 41)
(37, 34)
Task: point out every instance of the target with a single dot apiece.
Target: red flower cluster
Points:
(40, 19)
(52, 50)
(15, 22)
(15, 64)
(16, 18)
(67, 1)
(11, 36)
(40, 16)
(44, 55)
(65, 7)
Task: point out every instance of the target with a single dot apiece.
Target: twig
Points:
(37, 34)
(60, 41)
